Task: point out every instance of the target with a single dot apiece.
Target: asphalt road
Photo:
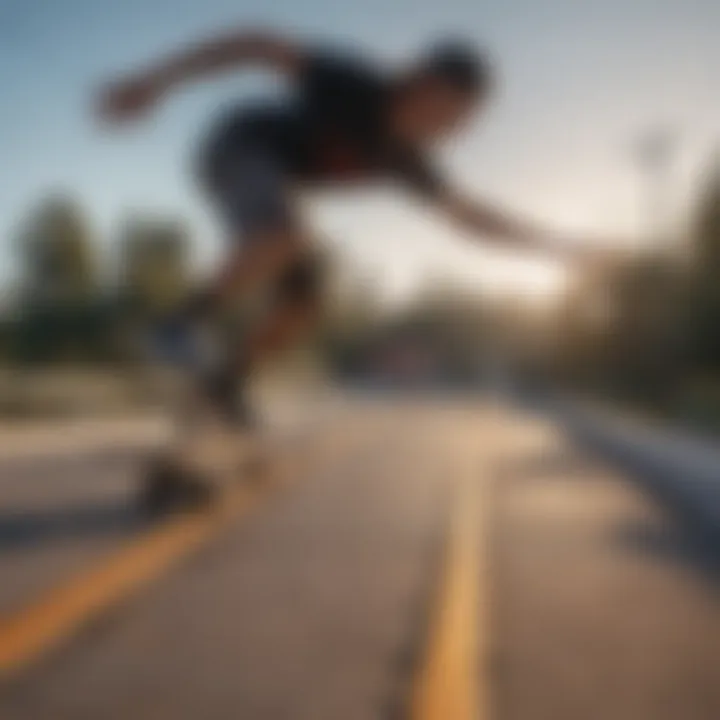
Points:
(321, 594)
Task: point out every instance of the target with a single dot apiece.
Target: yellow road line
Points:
(449, 684)
(35, 630)
(46, 623)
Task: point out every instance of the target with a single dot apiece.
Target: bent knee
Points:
(302, 283)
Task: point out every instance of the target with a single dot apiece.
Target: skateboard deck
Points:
(205, 457)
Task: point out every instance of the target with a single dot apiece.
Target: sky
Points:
(580, 80)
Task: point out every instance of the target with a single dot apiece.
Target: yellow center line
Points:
(42, 625)
(46, 623)
(449, 684)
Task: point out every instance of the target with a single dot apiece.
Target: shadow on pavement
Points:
(20, 529)
(677, 541)
(678, 537)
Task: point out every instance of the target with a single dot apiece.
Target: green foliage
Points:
(154, 271)
(442, 328)
(63, 312)
(649, 329)
(647, 340)
(57, 255)
(658, 340)
(705, 295)
(68, 333)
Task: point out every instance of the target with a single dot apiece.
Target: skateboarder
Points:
(342, 120)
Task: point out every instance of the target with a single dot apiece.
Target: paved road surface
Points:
(318, 598)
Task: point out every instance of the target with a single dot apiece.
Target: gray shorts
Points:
(249, 189)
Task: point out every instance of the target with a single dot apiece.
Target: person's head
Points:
(440, 92)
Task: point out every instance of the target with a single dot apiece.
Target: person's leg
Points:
(255, 262)
(294, 313)
(250, 192)
(187, 336)
(282, 329)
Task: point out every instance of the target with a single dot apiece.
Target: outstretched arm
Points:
(499, 227)
(130, 97)
(482, 218)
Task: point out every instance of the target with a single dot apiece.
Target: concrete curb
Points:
(87, 435)
(683, 469)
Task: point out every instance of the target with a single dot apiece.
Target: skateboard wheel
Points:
(167, 488)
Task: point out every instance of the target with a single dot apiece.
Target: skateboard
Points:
(204, 458)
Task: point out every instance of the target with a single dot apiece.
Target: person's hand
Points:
(128, 99)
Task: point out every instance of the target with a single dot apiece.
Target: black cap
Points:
(461, 64)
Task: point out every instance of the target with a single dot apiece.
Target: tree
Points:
(352, 318)
(705, 285)
(450, 319)
(647, 339)
(625, 330)
(58, 258)
(154, 272)
(58, 300)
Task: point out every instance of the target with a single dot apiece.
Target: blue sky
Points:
(579, 79)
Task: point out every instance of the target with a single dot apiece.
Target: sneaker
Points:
(184, 344)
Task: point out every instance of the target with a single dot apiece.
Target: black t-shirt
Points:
(333, 128)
